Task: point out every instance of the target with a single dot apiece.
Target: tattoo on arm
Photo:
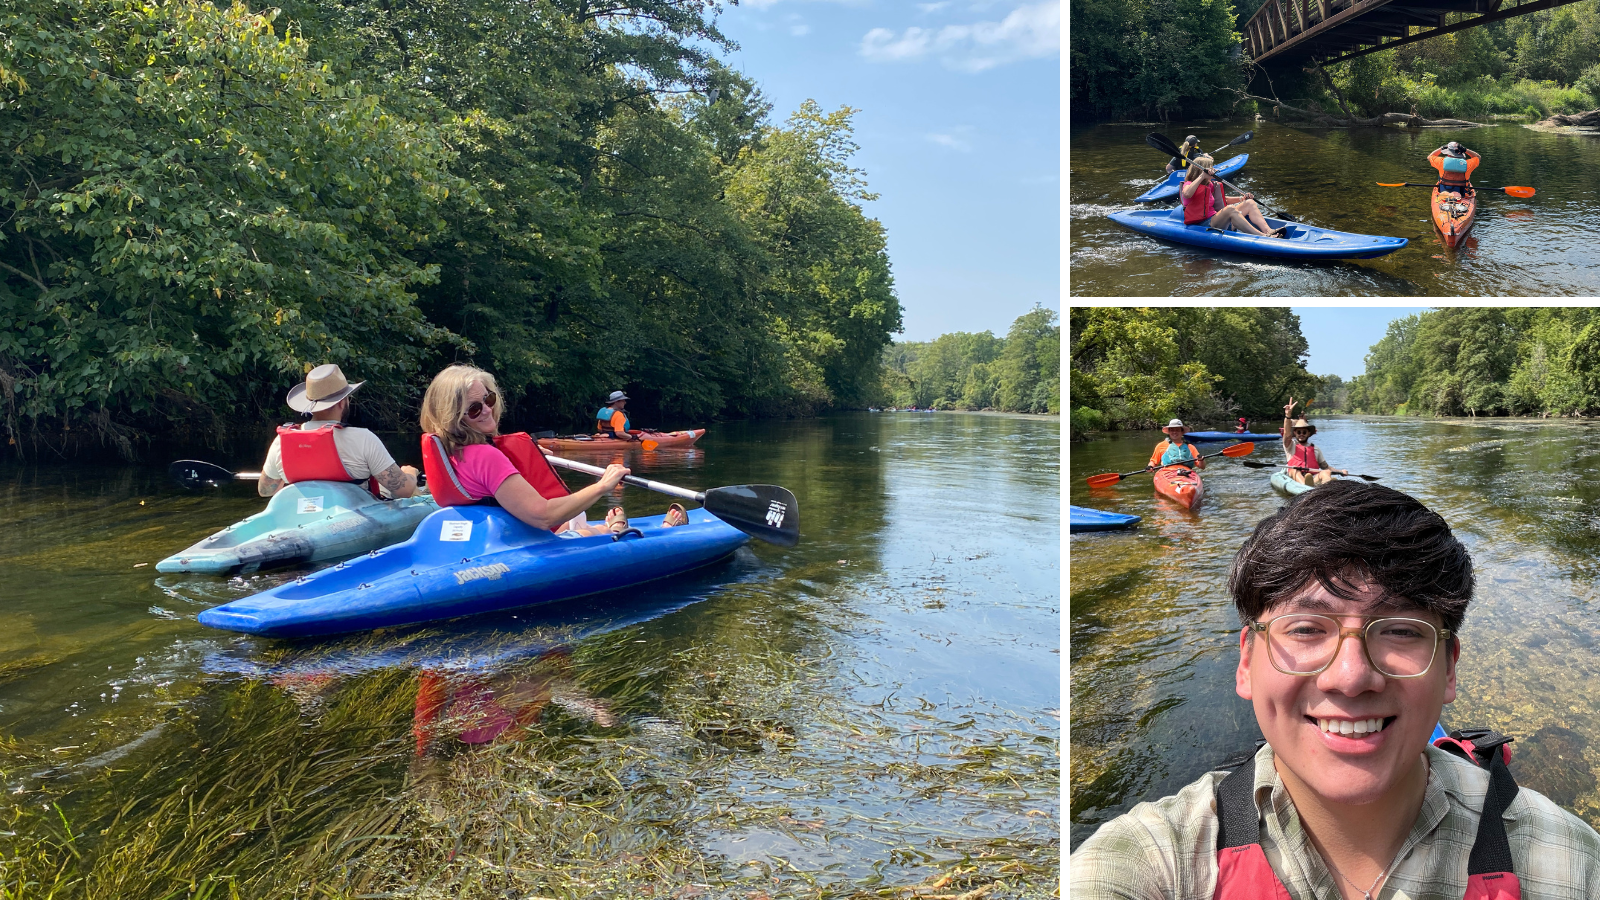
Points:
(397, 482)
(266, 485)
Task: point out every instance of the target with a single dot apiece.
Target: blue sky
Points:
(1340, 336)
(959, 127)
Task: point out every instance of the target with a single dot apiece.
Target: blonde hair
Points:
(1203, 161)
(444, 407)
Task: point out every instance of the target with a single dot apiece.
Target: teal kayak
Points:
(1282, 481)
(306, 522)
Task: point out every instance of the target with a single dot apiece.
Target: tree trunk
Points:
(1590, 119)
(1390, 118)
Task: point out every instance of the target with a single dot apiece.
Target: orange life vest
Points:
(447, 489)
(313, 456)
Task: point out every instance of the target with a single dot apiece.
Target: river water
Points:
(1541, 246)
(878, 706)
(1154, 633)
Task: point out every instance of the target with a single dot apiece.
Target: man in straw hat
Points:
(325, 449)
(1306, 464)
(1175, 450)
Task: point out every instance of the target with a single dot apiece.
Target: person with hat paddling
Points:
(1454, 164)
(1175, 450)
(325, 449)
(1305, 463)
(1191, 145)
(611, 421)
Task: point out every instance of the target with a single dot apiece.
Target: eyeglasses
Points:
(1306, 643)
(475, 408)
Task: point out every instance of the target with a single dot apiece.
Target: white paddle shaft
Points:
(647, 484)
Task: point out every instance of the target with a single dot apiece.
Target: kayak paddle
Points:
(1262, 465)
(195, 474)
(1110, 478)
(764, 511)
(1161, 143)
(1515, 191)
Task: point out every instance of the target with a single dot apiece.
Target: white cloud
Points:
(933, 7)
(799, 30)
(1028, 32)
(951, 141)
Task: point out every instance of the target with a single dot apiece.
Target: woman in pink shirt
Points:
(462, 408)
(1203, 201)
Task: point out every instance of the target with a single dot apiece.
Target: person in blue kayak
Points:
(1305, 462)
(1243, 427)
(612, 421)
(1191, 146)
(325, 449)
(1175, 450)
(1205, 203)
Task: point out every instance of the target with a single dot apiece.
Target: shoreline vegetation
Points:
(1182, 61)
(1452, 362)
(204, 201)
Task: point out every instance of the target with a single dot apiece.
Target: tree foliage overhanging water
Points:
(202, 201)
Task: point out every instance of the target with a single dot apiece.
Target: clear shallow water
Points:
(1153, 631)
(1541, 246)
(874, 706)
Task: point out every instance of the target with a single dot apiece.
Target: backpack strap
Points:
(1238, 821)
(1485, 748)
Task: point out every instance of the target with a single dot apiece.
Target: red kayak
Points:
(1181, 485)
(596, 442)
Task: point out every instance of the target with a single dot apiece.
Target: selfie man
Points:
(1351, 598)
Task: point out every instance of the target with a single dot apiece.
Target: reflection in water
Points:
(1154, 635)
(878, 705)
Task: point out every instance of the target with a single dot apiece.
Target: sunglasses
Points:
(475, 408)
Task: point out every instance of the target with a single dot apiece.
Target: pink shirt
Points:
(482, 468)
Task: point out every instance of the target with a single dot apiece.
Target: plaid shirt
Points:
(1168, 849)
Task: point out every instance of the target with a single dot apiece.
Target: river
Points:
(878, 706)
(1540, 246)
(1154, 635)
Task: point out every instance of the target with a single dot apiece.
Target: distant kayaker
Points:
(1350, 600)
(461, 409)
(1305, 463)
(325, 449)
(1243, 427)
(1204, 202)
(1191, 146)
(1455, 164)
(612, 421)
(1175, 450)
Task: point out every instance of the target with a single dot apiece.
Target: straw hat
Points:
(1302, 423)
(325, 385)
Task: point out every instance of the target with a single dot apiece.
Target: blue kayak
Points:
(1082, 518)
(464, 560)
(1301, 242)
(1201, 437)
(1169, 186)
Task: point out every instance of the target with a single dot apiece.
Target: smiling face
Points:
(1175, 435)
(485, 422)
(1302, 434)
(1303, 717)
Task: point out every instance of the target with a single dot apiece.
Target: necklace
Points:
(1367, 894)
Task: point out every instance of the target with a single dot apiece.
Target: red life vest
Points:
(1243, 872)
(447, 489)
(313, 456)
(1304, 457)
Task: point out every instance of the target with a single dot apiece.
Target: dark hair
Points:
(1346, 532)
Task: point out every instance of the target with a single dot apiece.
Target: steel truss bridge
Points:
(1327, 31)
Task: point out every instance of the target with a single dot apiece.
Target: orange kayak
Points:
(1181, 485)
(595, 442)
(1453, 215)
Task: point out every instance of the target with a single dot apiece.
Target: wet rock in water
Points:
(1551, 762)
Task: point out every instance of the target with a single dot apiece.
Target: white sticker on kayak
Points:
(309, 505)
(456, 530)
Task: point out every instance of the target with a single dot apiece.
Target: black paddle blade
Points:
(1241, 139)
(1160, 142)
(764, 511)
(195, 474)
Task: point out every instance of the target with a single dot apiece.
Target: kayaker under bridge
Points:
(1327, 31)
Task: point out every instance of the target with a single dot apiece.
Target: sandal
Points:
(676, 515)
(616, 520)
